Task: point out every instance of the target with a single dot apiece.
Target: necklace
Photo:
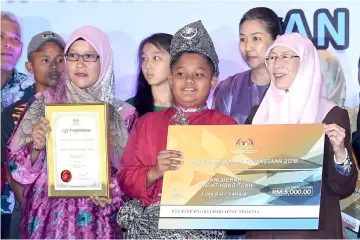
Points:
(180, 118)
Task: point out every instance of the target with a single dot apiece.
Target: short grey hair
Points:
(10, 17)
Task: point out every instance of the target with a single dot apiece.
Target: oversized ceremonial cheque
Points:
(244, 177)
(78, 150)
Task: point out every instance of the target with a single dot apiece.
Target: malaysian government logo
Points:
(244, 143)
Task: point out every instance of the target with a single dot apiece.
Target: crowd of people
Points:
(289, 82)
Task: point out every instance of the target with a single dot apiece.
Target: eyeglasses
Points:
(86, 57)
(285, 58)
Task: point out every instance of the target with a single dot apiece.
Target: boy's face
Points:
(191, 80)
(47, 64)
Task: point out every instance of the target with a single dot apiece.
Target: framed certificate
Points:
(244, 177)
(77, 146)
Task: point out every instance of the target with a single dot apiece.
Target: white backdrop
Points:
(128, 22)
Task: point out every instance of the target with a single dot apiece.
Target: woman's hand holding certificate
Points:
(100, 201)
(39, 137)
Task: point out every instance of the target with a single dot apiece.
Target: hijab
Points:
(67, 92)
(306, 99)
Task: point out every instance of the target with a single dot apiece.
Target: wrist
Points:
(152, 177)
(36, 148)
(154, 174)
(340, 156)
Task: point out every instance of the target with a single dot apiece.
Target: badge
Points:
(66, 176)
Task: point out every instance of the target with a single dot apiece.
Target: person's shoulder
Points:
(150, 117)
(326, 57)
(227, 87)
(154, 115)
(26, 82)
(221, 118)
(151, 120)
(234, 79)
(20, 74)
(14, 106)
(337, 111)
(125, 109)
(131, 101)
(11, 114)
(6, 112)
(251, 115)
(338, 116)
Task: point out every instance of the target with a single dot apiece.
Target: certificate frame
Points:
(104, 149)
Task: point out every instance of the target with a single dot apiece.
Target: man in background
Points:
(46, 62)
(14, 85)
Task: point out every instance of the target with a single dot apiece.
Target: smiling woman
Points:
(283, 64)
(297, 95)
(89, 79)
